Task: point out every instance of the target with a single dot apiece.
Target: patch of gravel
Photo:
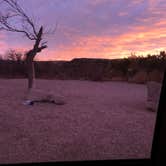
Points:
(100, 120)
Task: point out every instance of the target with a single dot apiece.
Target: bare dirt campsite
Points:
(96, 74)
(100, 120)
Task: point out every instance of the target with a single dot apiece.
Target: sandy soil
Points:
(101, 120)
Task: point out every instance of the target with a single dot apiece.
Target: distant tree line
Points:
(12, 55)
(12, 65)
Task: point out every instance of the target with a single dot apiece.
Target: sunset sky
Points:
(94, 28)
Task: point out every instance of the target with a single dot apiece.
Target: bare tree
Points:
(14, 55)
(27, 27)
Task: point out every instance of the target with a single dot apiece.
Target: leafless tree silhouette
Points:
(14, 55)
(27, 27)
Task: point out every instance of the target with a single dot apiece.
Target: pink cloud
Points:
(3, 45)
(100, 29)
(141, 39)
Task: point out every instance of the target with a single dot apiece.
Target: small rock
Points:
(36, 96)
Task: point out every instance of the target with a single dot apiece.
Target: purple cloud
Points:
(81, 22)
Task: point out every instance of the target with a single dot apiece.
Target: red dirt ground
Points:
(101, 120)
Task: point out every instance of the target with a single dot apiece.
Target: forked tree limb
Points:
(29, 28)
(17, 11)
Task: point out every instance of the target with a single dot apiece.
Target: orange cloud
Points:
(142, 40)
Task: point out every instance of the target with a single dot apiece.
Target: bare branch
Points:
(51, 31)
(43, 43)
(41, 48)
(6, 26)
(26, 26)
(16, 11)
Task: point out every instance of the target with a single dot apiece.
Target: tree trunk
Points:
(29, 59)
(31, 74)
(30, 69)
